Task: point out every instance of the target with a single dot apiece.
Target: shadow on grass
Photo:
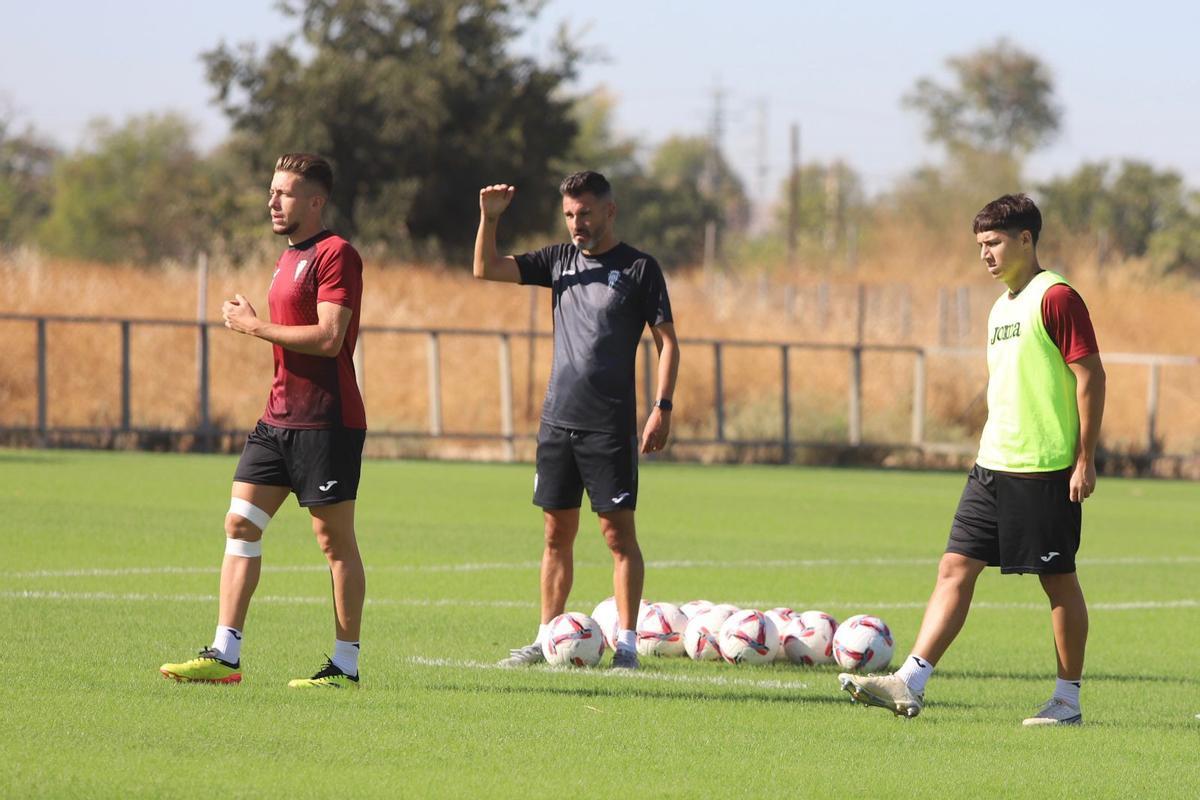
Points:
(33, 457)
(1107, 677)
(739, 695)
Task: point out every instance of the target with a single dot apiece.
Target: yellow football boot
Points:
(328, 677)
(205, 668)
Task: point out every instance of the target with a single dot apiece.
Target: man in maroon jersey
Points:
(310, 439)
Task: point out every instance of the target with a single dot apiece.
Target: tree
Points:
(26, 163)
(665, 200)
(135, 193)
(685, 186)
(415, 103)
(1137, 209)
(1080, 202)
(1001, 102)
(832, 203)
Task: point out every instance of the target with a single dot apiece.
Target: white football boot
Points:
(525, 656)
(884, 691)
(1056, 712)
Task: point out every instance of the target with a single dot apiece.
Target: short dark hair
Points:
(308, 166)
(1012, 212)
(585, 182)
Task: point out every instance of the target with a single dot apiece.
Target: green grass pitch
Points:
(110, 568)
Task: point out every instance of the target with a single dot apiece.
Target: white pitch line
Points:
(418, 602)
(147, 597)
(640, 675)
(1132, 605)
(108, 572)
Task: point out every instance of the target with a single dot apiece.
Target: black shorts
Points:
(1020, 524)
(321, 466)
(568, 461)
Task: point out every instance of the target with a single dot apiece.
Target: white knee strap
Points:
(255, 516)
(250, 512)
(240, 547)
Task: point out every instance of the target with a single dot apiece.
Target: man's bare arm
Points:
(323, 339)
(489, 264)
(1089, 397)
(658, 425)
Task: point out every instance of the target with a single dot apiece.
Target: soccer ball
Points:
(609, 619)
(695, 608)
(728, 607)
(660, 630)
(573, 639)
(863, 643)
(808, 638)
(605, 615)
(749, 637)
(780, 616)
(700, 639)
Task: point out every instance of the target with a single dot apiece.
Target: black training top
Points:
(601, 305)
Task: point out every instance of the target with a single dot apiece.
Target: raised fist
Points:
(494, 199)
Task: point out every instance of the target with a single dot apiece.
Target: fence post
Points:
(964, 313)
(1152, 410)
(786, 399)
(125, 379)
(943, 316)
(855, 396)
(860, 321)
(41, 382)
(718, 391)
(506, 398)
(202, 384)
(918, 407)
(433, 350)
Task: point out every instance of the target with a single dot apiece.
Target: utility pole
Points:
(761, 168)
(833, 205)
(712, 179)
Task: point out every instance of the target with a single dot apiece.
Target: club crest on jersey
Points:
(613, 277)
(300, 268)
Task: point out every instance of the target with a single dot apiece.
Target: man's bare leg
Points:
(629, 574)
(903, 692)
(240, 574)
(251, 509)
(333, 526)
(947, 609)
(558, 560)
(557, 575)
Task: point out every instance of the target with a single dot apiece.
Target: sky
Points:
(1126, 75)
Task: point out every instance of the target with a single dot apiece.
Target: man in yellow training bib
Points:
(1021, 508)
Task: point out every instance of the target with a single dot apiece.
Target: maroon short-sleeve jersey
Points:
(315, 391)
(1068, 322)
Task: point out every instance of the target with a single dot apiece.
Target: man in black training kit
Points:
(604, 294)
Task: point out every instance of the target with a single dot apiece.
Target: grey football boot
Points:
(525, 656)
(884, 691)
(1056, 711)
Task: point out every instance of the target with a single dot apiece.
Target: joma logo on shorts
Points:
(1002, 332)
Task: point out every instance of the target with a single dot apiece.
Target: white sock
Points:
(228, 643)
(345, 656)
(1067, 690)
(626, 639)
(915, 672)
(543, 632)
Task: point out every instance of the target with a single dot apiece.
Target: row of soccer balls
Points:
(708, 632)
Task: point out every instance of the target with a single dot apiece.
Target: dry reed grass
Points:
(1132, 313)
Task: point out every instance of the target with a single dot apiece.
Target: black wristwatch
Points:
(665, 405)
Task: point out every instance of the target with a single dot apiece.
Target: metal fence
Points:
(206, 434)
